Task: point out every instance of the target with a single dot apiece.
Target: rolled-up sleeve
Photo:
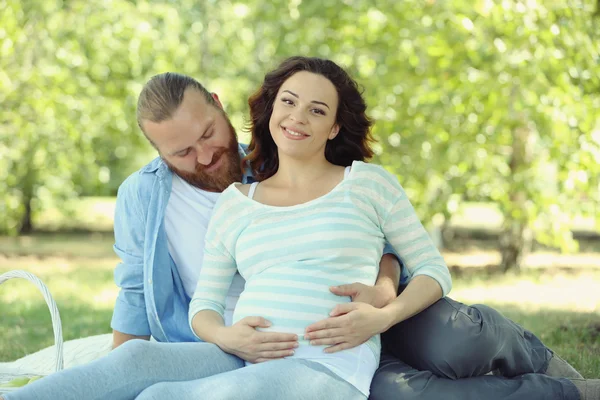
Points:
(129, 315)
(388, 249)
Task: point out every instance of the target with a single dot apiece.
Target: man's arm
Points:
(388, 279)
(385, 289)
(129, 319)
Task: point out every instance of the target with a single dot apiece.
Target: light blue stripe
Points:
(296, 278)
(216, 278)
(278, 290)
(209, 289)
(301, 249)
(316, 227)
(403, 249)
(300, 226)
(346, 270)
(402, 230)
(281, 322)
(282, 304)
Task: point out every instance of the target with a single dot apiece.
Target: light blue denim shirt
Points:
(152, 300)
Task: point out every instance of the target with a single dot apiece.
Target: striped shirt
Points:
(290, 256)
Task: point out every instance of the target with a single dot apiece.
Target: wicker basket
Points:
(56, 326)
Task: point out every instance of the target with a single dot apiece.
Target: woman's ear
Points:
(334, 132)
(216, 99)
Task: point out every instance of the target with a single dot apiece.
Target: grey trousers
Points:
(445, 351)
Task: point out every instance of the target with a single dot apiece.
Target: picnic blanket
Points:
(75, 352)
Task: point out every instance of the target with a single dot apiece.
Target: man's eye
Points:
(184, 153)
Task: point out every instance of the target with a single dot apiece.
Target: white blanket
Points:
(76, 352)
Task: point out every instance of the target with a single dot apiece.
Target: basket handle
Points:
(56, 323)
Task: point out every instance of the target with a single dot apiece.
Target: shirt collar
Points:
(247, 177)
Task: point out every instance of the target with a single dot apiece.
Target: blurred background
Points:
(487, 111)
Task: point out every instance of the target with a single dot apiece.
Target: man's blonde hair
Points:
(163, 94)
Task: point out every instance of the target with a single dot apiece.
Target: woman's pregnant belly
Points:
(290, 306)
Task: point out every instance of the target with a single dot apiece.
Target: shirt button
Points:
(150, 281)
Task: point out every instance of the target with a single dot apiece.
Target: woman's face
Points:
(304, 115)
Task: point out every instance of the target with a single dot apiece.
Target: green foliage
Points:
(483, 101)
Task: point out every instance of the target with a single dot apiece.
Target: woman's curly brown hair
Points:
(354, 138)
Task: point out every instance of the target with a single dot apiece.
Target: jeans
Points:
(145, 370)
(445, 352)
(295, 379)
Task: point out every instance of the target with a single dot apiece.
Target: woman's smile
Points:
(294, 134)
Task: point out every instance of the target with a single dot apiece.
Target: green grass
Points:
(560, 306)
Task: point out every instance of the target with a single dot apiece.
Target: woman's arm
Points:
(353, 323)
(208, 303)
(429, 275)
(421, 292)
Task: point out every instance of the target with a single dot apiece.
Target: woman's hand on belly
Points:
(349, 325)
(245, 341)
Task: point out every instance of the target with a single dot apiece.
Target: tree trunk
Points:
(515, 239)
(26, 223)
(514, 244)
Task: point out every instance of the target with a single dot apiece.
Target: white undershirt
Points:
(186, 221)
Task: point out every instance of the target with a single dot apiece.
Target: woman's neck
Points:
(301, 173)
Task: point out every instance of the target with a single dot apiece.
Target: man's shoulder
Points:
(143, 180)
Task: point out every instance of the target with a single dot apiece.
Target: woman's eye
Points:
(287, 101)
(318, 111)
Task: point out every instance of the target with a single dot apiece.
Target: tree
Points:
(486, 101)
(71, 73)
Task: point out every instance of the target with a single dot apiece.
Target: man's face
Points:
(199, 143)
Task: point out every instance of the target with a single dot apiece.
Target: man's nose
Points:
(204, 154)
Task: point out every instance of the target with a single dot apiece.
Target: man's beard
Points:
(229, 172)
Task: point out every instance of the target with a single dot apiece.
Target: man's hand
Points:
(350, 325)
(377, 296)
(119, 338)
(243, 340)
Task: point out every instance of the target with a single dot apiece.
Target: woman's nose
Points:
(298, 116)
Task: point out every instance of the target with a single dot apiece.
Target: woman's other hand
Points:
(245, 341)
(349, 325)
